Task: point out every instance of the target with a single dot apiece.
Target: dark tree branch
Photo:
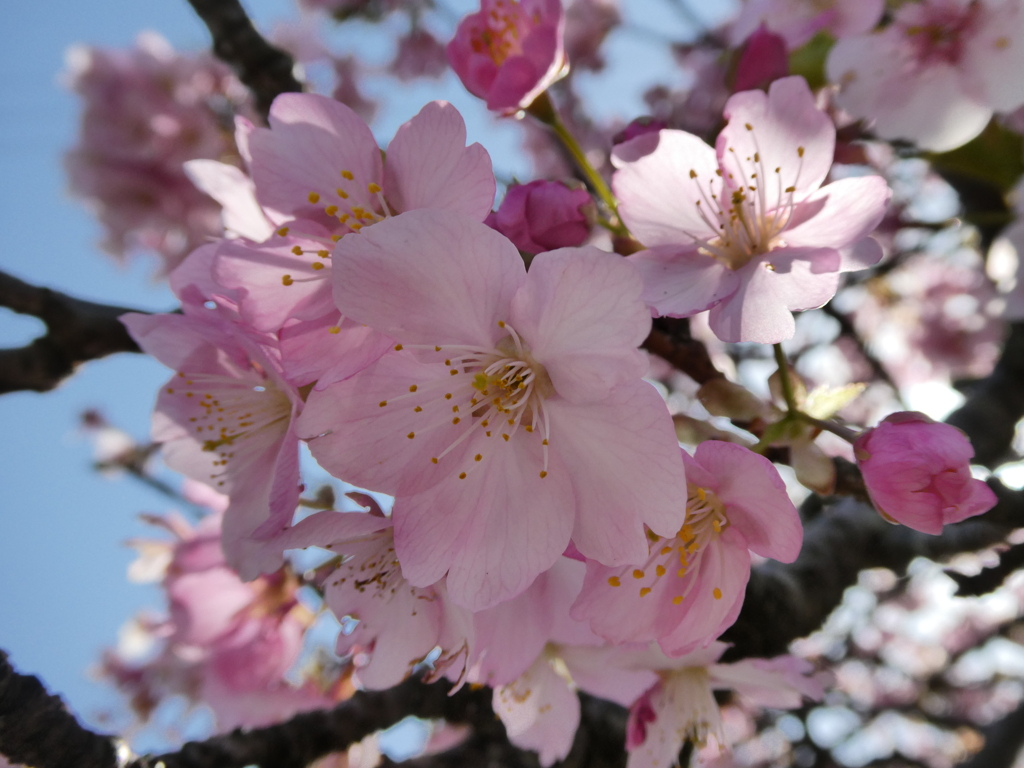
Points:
(76, 331)
(989, 579)
(1003, 740)
(670, 340)
(37, 730)
(263, 68)
(995, 404)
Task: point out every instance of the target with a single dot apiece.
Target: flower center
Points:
(698, 712)
(749, 210)
(227, 410)
(494, 391)
(936, 33)
(500, 30)
(679, 557)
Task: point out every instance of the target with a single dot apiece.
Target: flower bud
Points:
(917, 472)
(544, 215)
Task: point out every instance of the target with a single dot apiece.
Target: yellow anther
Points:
(717, 525)
(677, 600)
(382, 403)
(336, 238)
(693, 547)
(437, 349)
(614, 581)
(448, 396)
(462, 476)
(543, 474)
(417, 409)
(398, 348)
(355, 226)
(454, 372)
(666, 550)
(283, 231)
(637, 573)
(455, 409)
(528, 428)
(342, 193)
(334, 329)
(456, 420)
(313, 197)
(544, 441)
(348, 175)
(373, 188)
(693, 174)
(412, 387)
(286, 280)
(433, 460)
(485, 423)
(411, 435)
(478, 457)
(717, 593)
(504, 436)
(501, 323)
(800, 151)
(660, 570)
(681, 572)
(645, 591)
(324, 254)
(702, 494)
(317, 265)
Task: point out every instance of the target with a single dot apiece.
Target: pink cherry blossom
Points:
(225, 643)
(917, 472)
(226, 419)
(541, 709)
(398, 624)
(419, 55)
(690, 587)
(797, 21)
(587, 24)
(763, 60)
(511, 414)
(319, 161)
(544, 215)
(682, 706)
(510, 51)
(937, 73)
(747, 230)
(147, 110)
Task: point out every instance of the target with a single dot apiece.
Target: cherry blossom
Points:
(690, 587)
(917, 474)
(511, 414)
(747, 230)
(226, 419)
(936, 74)
(682, 706)
(797, 21)
(544, 215)
(510, 51)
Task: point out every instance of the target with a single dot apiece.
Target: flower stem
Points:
(544, 110)
(787, 383)
(829, 426)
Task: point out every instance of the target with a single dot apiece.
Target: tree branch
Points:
(265, 69)
(670, 340)
(76, 331)
(37, 730)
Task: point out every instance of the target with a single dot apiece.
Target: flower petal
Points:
(580, 313)
(679, 282)
(429, 277)
(428, 165)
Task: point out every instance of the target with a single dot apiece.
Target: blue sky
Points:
(63, 591)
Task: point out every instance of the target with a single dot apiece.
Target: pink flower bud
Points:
(544, 215)
(510, 51)
(638, 127)
(764, 59)
(916, 472)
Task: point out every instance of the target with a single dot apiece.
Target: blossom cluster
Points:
(484, 370)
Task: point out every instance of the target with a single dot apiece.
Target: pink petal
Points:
(540, 712)
(679, 282)
(995, 49)
(493, 531)
(657, 191)
(760, 309)
(256, 271)
(624, 462)
(329, 349)
(845, 212)
(755, 497)
(311, 140)
(429, 165)
(783, 129)
(236, 193)
(580, 314)
(725, 566)
(429, 277)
